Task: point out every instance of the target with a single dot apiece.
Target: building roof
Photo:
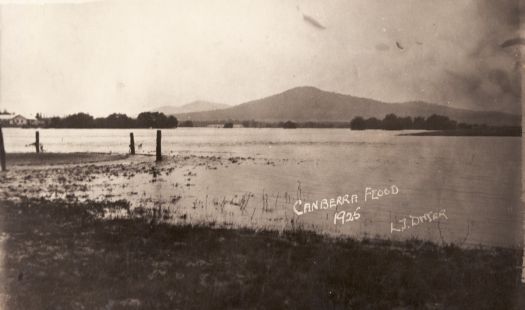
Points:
(28, 118)
(13, 116)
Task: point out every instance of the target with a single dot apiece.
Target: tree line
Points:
(115, 120)
(389, 122)
(394, 122)
(160, 120)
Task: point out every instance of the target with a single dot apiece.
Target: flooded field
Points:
(464, 190)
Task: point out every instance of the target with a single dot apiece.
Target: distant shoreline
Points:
(475, 132)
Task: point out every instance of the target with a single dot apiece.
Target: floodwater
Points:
(469, 187)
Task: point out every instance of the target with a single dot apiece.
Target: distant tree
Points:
(156, 120)
(289, 125)
(439, 122)
(406, 122)
(419, 123)
(172, 122)
(78, 120)
(117, 120)
(358, 123)
(228, 125)
(373, 123)
(187, 123)
(151, 120)
(392, 122)
(465, 126)
(55, 122)
(311, 125)
(100, 122)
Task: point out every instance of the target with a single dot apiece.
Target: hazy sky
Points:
(128, 56)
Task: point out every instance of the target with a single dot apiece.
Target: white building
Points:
(17, 120)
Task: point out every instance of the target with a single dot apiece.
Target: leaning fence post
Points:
(159, 156)
(131, 144)
(2, 150)
(37, 142)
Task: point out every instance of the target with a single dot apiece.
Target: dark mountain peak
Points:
(303, 89)
(296, 95)
(310, 92)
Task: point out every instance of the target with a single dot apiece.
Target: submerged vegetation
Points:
(64, 255)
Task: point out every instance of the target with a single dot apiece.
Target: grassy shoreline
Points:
(60, 254)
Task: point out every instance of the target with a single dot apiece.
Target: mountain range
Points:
(310, 104)
(195, 106)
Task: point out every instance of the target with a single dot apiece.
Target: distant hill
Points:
(303, 104)
(195, 106)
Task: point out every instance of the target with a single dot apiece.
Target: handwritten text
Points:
(412, 221)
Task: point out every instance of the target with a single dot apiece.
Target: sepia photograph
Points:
(261, 154)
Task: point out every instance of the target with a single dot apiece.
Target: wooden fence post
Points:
(2, 150)
(131, 144)
(159, 155)
(37, 142)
